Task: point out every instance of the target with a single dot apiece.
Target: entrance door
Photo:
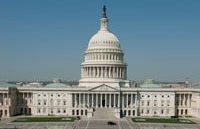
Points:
(1, 112)
(29, 111)
(103, 103)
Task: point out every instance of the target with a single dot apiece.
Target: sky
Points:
(46, 39)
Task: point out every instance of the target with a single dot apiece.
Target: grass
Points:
(45, 119)
(163, 120)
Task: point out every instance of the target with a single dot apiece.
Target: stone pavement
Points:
(96, 124)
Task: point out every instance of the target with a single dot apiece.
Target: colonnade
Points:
(24, 98)
(184, 100)
(100, 100)
(104, 56)
(4, 103)
(103, 72)
(4, 99)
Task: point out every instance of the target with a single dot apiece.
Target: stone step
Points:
(104, 113)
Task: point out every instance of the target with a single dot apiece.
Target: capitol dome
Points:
(103, 61)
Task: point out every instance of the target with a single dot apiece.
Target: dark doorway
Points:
(1, 113)
(29, 112)
(103, 103)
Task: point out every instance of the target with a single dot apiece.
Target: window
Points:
(162, 111)
(58, 110)
(51, 95)
(6, 112)
(181, 111)
(133, 112)
(39, 102)
(38, 110)
(168, 102)
(64, 102)
(185, 111)
(162, 103)
(142, 111)
(64, 111)
(45, 102)
(162, 96)
(58, 95)
(147, 111)
(148, 103)
(129, 112)
(77, 112)
(38, 95)
(148, 96)
(142, 103)
(155, 103)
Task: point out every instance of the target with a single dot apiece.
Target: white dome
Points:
(104, 39)
(104, 59)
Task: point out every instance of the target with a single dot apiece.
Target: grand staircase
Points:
(104, 114)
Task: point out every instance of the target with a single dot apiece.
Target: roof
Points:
(56, 85)
(150, 86)
(7, 85)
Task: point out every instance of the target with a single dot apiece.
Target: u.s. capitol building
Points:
(103, 89)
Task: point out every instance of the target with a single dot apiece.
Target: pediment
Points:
(103, 87)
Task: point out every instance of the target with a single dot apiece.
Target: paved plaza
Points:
(126, 124)
(94, 124)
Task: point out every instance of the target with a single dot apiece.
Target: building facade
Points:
(103, 87)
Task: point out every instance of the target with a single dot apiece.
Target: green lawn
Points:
(163, 120)
(45, 119)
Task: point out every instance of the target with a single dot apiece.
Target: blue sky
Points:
(42, 40)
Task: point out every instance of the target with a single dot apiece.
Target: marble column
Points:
(127, 97)
(119, 72)
(109, 72)
(88, 100)
(97, 71)
(188, 98)
(83, 99)
(75, 103)
(106, 74)
(131, 104)
(179, 99)
(96, 100)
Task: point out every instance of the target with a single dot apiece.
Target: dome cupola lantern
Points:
(104, 20)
